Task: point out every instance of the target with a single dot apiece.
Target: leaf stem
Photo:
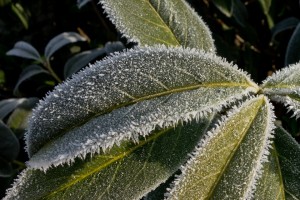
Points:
(20, 164)
(49, 68)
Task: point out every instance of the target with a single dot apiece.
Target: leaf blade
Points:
(283, 87)
(218, 168)
(171, 23)
(152, 75)
(24, 50)
(61, 40)
(141, 167)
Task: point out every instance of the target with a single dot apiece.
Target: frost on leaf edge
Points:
(213, 133)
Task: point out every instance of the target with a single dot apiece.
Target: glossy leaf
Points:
(126, 172)
(18, 120)
(21, 13)
(61, 40)
(228, 161)
(8, 105)
(288, 159)
(27, 73)
(6, 169)
(187, 78)
(111, 47)
(283, 86)
(81, 3)
(169, 22)
(24, 50)
(82, 59)
(283, 25)
(9, 146)
(291, 55)
(224, 6)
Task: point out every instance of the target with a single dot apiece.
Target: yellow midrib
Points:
(120, 156)
(222, 171)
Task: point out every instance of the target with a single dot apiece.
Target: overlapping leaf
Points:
(128, 171)
(169, 22)
(178, 84)
(228, 162)
(281, 177)
(284, 86)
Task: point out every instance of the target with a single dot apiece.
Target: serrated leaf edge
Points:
(213, 133)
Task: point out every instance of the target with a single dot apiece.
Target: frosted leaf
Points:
(140, 119)
(132, 77)
(168, 22)
(281, 175)
(126, 172)
(228, 161)
(284, 87)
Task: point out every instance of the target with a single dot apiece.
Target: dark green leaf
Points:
(126, 172)
(111, 47)
(61, 40)
(9, 145)
(224, 6)
(6, 169)
(81, 60)
(292, 55)
(288, 153)
(18, 120)
(283, 25)
(8, 105)
(28, 73)
(24, 50)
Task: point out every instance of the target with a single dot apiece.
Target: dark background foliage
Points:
(254, 37)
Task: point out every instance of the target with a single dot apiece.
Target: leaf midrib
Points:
(120, 156)
(232, 154)
(147, 97)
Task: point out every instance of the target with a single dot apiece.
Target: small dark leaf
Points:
(224, 6)
(283, 25)
(292, 53)
(27, 73)
(18, 120)
(8, 105)
(239, 12)
(9, 145)
(81, 3)
(61, 40)
(6, 169)
(24, 50)
(81, 60)
(111, 47)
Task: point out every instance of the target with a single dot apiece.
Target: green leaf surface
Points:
(27, 73)
(224, 6)
(128, 171)
(283, 25)
(18, 120)
(165, 85)
(82, 59)
(61, 40)
(265, 4)
(169, 22)
(8, 105)
(292, 56)
(283, 86)
(227, 163)
(9, 146)
(288, 159)
(24, 50)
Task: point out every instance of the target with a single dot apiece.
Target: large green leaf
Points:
(168, 22)
(128, 171)
(288, 159)
(284, 86)
(228, 162)
(165, 85)
(281, 175)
